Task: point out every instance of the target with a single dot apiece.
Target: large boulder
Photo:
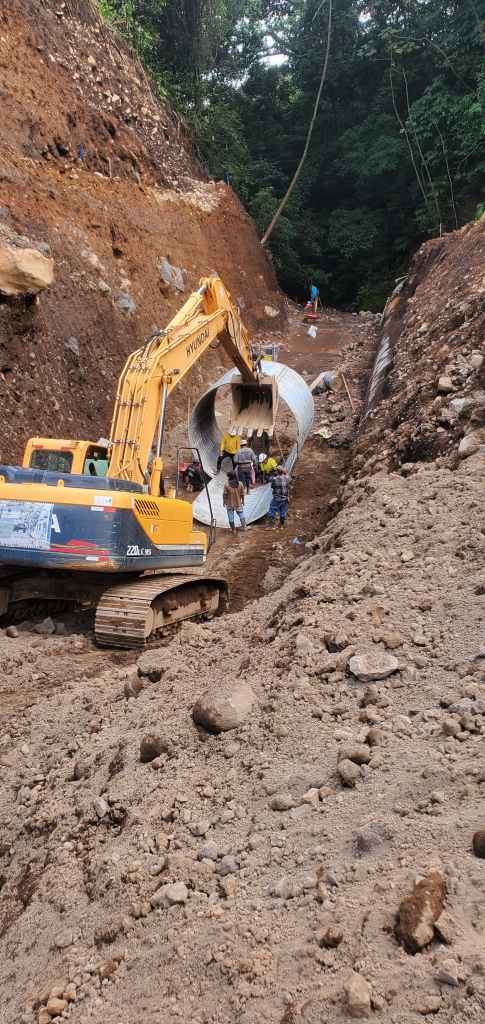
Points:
(24, 271)
(223, 708)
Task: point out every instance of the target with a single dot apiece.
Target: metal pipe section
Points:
(206, 435)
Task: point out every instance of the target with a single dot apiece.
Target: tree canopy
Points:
(398, 148)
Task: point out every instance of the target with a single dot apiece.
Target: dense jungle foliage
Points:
(398, 150)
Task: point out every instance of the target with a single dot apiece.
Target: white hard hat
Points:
(243, 441)
(263, 457)
(233, 433)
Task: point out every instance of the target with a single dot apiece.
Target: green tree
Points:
(398, 147)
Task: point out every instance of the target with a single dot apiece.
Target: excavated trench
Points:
(257, 561)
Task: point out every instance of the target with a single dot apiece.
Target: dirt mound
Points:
(107, 220)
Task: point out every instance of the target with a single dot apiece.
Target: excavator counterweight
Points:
(79, 515)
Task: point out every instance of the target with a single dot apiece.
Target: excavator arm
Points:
(153, 371)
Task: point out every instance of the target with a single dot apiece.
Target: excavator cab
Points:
(54, 455)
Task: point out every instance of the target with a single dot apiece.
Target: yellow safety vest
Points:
(230, 444)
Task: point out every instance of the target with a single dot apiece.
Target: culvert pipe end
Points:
(206, 435)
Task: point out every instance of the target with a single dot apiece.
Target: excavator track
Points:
(130, 614)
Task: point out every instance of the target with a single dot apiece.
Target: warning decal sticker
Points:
(25, 524)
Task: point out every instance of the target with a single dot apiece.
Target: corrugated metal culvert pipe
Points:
(205, 434)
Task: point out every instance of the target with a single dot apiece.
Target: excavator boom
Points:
(153, 371)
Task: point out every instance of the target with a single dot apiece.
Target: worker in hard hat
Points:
(268, 466)
(280, 485)
(230, 445)
(246, 464)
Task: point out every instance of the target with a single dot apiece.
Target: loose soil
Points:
(252, 876)
(285, 872)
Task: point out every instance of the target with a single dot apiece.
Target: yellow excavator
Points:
(78, 514)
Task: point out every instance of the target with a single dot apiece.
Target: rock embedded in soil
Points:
(170, 895)
(72, 345)
(100, 806)
(451, 727)
(357, 752)
(377, 665)
(479, 843)
(209, 851)
(447, 972)
(419, 911)
(358, 994)
(349, 772)
(55, 1007)
(133, 687)
(227, 707)
(428, 1004)
(375, 736)
(281, 802)
(445, 385)
(228, 866)
(107, 968)
(200, 828)
(12, 632)
(149, 664)
(63, 939)
(228, 886)
(445, 928)
(152, 745)
(311, 797)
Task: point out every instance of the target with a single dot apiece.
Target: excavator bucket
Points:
(254, 406)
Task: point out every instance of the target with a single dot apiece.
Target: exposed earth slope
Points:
(136, 197)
